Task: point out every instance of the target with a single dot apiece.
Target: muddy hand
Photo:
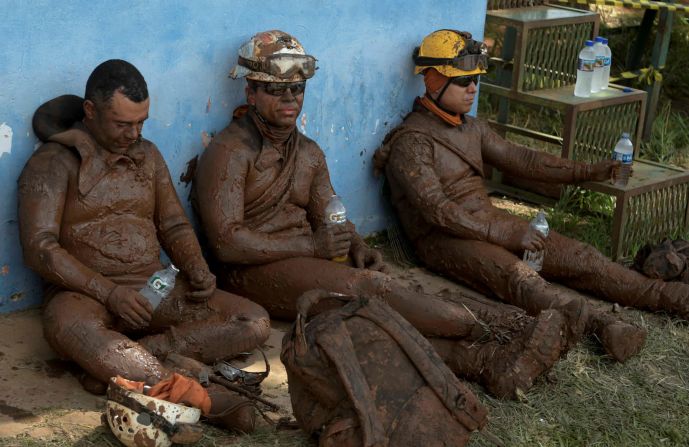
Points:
(331, 241)
(533, 240)
(603, 170)
(368, 258)
(203, 283)
(131, 306)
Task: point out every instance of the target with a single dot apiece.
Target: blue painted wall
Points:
(184, 49)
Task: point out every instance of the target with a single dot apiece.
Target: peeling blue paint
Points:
(185, 49)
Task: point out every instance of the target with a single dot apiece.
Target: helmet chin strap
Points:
(440, 96)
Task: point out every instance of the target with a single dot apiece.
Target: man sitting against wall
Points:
(434, 165)
(96, 203)
(261, 190)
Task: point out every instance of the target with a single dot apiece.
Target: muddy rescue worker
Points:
(96, 203)
(434, 164)
(261, 189)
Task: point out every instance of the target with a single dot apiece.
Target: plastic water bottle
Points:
(587, 59)
(597, 80)
(159, 285)
(607, 61)
(624, 152)
(534, 259)
(336, 214)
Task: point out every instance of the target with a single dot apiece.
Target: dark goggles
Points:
(282, 65)
(280, 88)
(239, 375)
(465, 81)
(474, 55)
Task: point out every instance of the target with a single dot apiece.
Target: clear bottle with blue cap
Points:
(607, 61)
(597, 80)
(586, 62)
(624, 152)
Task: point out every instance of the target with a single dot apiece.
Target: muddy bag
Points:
(360, 375)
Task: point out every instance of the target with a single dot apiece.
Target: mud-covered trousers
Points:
(81, 329)
(463, 330)
(498, 272)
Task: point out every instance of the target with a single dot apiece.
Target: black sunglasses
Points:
(279, 88)
(465, 81)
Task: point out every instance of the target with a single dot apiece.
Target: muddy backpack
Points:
(360, 375)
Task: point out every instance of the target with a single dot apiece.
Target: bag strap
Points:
(456, 397)
(336, 343)
(304, 305)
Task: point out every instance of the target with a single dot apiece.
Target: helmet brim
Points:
(451, 72)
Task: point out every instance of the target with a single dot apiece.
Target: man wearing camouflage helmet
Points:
(434, 165)
(261, 189)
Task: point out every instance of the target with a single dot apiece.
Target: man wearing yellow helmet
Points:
(449, 57)
(434, 165)
(261, 189)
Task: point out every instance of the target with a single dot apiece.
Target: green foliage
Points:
(669, 142)
(675, 73)
(583, 215)
(649, 75)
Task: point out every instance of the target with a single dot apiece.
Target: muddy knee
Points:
(370, 283)
(531, 292)
(234, 308)
(69, 319)
(522, 284)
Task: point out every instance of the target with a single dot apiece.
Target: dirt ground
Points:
(40, 397)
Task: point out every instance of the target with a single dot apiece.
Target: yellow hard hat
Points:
(453, 53)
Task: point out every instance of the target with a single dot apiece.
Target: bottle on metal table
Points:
(624, 152)
(607, 61)
(586, 62)
(159, 285)
(534, 259)
(599, 65)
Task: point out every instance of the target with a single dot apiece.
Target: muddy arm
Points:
(411, 164)
(42, 192)
(320, 192)
(174, 230)
(528, 163)
(220, 184)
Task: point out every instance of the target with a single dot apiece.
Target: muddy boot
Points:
(673, 298)
(504, 368)
(92, 385)
(231, 411)
(620, 339)
(186, 366)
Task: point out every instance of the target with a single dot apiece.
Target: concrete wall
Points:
(184, 49)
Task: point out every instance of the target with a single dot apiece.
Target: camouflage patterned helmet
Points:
(273, 56)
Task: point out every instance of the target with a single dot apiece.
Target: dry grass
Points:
(103, 437)
(592, 401)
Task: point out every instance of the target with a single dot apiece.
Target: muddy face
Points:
(116, 124)
(458, 99)
(280, 111)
